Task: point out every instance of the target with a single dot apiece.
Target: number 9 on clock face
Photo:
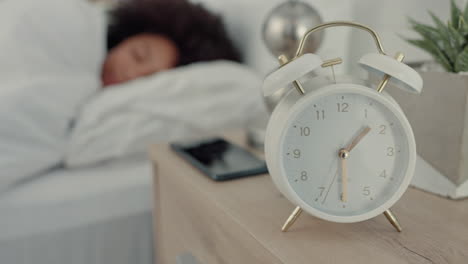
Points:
(344, 153)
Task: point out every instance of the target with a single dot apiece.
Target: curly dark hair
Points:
(199, 34)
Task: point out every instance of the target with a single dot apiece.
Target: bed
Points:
(100, 214)
(81, 213)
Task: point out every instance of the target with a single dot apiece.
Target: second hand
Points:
(329, 187)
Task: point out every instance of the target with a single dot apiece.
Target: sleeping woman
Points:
(145, 37)
(55, 55)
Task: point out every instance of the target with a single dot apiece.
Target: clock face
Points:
(346, 154)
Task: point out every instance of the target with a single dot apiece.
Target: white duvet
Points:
(53, 111)
(192, 101)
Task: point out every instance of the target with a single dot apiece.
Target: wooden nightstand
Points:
(239, 222)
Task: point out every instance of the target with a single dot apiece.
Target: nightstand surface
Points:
(239, 222)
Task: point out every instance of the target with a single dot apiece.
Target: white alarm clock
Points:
(340, 148)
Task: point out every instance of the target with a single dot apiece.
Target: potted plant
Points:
(440, 115)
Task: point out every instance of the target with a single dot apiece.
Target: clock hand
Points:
(329, 187)
(358, 138)
(344, 155)
(344, 179)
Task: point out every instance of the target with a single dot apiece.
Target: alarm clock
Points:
(339, 147)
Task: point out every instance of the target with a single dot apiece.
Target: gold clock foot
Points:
(393, 220)
(291, 219)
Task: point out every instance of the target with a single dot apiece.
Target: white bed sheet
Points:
(108, 205)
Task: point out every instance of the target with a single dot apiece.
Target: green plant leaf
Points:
(457, 40)
(463, 28)
(444, 39)
(434, 50)
(465, 12)
(439, 24)
(455, 13)
(425, 31)
(430, 34)
(461, 64)
(446, 42)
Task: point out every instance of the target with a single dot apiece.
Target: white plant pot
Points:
(439, 117)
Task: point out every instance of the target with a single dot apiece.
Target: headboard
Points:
(244, 19)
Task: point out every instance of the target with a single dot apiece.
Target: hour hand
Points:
(357, 139)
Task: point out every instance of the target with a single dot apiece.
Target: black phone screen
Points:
(220, 159)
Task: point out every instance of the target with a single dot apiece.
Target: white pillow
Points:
(191, 101)
(51, 51)
(50, 36)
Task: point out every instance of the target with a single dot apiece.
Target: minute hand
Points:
(358, 139)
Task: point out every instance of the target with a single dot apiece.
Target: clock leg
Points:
(399, 57)
(291, 219)
(284, 60)
(393, 220)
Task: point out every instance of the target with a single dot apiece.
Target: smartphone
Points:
(219, 159)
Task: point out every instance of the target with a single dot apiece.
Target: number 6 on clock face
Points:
(343, 153)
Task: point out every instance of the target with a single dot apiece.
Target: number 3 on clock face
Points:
(304, 139)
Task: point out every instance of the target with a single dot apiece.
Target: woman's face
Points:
(138, 56)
